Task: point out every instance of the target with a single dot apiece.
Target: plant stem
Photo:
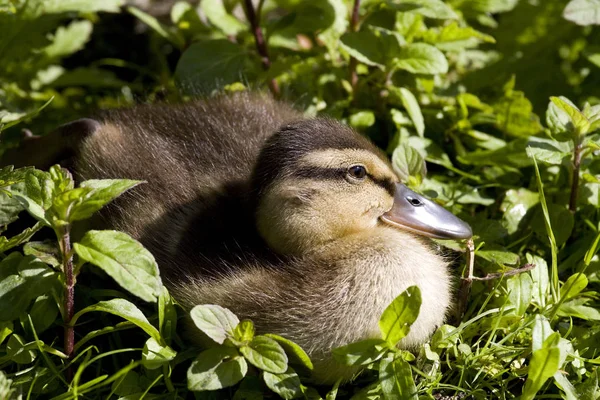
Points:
(575, 181)
(64, 239)
(354, 28)
(465, 282)
(253, 17)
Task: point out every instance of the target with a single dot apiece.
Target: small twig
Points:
(354, 28)
(497, 275)
(466, 282)
(67, 256)
(575, 181)
(253, 17)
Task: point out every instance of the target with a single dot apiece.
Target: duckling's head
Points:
(318, 181)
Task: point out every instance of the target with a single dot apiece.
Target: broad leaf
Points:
(266, 354)
(408, 164)
(218, 16)
(296, 355)
(428, 8)
(211, 64)
(410, 103)
(123, 309)
(124, 259)
(82, 202)
(542, 365)
(396, 379)
(579, 122)
(519, 289)
(215, 321)
(156, 355)
(573, 286)
(361, 353)
(287, 385)
(583, 12)
(421, 58)
(23, 279)
(397, 318)
(216, 368)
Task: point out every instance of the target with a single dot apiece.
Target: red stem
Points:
(69, 340)
(261, 45)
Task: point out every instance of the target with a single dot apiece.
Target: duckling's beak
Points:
(415, 213)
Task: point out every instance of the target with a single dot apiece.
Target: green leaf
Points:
(161, 29)
(453, 37)
(7, 244)
(519, 292)
(331, 35)
(69, 39)
(373, 46)
(81, 203)
(499, 257)
(578, 308)
(156, 355)
(421, 58)
(573, 286)
(579, 122)
(410, 103)
(215, 369)
(561, 220)
(540, 277)
(81, 6)
(428, 8)
(15, 349)
(540, 332)
(543, 364)
(361, 353)
(244, 331)
(287, 385)
(515, 116)
(211, 64)
(396, 379)
(23, 279)
(167, 315)
(408, 164)
(397, 318)
(583, 12)
(296, 355)
(362, 119)
(6, 328)
(218, 16)
(46, 252)
(266, 354)
(489, 6)
(216, 322)
(43, 313)
(548, 151)
(124, 259)
(124, 309)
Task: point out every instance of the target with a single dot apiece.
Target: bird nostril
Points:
(414, 202)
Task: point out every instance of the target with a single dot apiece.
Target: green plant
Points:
(458, 84)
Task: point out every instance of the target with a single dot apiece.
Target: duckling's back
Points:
(197, 159)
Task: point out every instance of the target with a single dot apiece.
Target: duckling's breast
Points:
(369, 272)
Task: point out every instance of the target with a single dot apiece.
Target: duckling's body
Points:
(242, 217)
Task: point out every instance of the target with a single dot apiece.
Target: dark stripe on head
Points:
(387, 184)
(340, 174)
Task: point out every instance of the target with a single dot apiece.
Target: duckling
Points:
(298, 224)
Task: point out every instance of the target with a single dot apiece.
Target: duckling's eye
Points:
(357, 172)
